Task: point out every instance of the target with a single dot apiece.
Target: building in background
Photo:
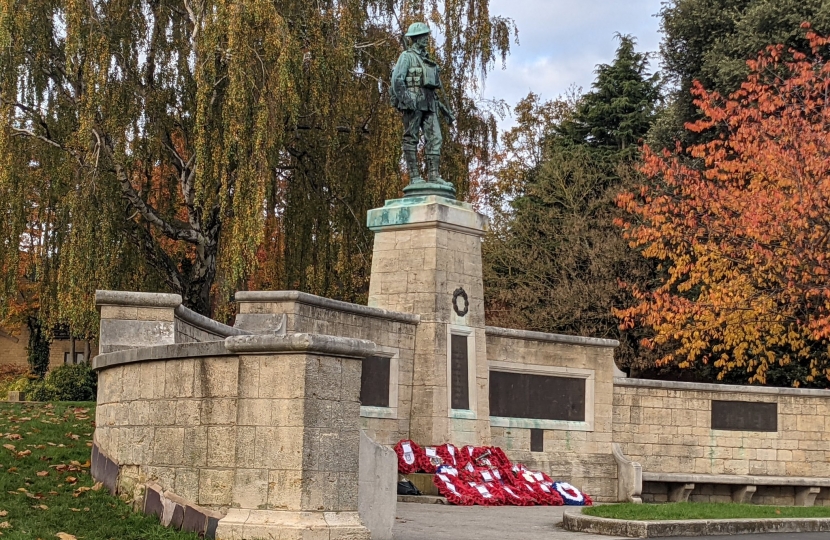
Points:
(63, 350)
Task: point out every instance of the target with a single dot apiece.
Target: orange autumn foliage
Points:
(743, 228)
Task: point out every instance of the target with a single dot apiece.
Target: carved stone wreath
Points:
(460, 293)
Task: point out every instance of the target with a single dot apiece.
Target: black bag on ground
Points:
(405, 487)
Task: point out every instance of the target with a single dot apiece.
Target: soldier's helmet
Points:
(417, 29)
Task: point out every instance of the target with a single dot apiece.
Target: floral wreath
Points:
(571, 495)
(408, 456)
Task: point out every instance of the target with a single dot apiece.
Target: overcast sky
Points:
(562, 41)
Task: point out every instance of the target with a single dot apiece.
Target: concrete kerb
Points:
(576, 521)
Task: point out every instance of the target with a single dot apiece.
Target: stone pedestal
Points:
(427, 261)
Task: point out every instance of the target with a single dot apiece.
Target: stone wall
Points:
(578, 453)
(247, 424)
(666, 426)
(393, 333)
(190, 327)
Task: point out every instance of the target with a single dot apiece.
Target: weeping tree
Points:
(186, 145)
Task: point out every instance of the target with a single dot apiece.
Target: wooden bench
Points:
(680, 485)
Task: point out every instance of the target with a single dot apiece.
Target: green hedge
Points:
(64, 383)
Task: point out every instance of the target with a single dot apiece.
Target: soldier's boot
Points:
(432, 167)
(411, 158)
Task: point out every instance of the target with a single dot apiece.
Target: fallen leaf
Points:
(10, 447)
(41, 506)
(43, 473)
(24, 453)
(14, 436)
(97, 486)
(80, 491)
(71, 479)
(66, 536)
(5, 525)
(75, 509)
(4, 513)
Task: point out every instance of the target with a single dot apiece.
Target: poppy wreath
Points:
(455, 491)
(408, 456)
(484, 475)
(485, 494)
(448, 453)
(536, 482)
(572, 496)
(499, 458)
(465, 456)
(514, 497)
(549, 495)
(429, 460)
(527, 492)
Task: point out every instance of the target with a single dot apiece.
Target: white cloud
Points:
(562, 41)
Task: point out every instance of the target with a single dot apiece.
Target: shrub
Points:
(65, 383)
(13, 378)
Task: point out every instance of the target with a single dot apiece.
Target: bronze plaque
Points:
(744, 416)
(460, 390)
(541, 397)
(374, 382)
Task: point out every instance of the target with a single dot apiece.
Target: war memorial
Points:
(282, 426)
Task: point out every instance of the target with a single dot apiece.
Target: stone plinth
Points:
(427, 256)
(262, 428)
(130, 320)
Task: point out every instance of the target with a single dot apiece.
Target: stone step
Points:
(424, 483)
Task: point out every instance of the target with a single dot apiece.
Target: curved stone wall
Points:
(249, 423)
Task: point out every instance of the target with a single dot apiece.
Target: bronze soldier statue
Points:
(415, 86)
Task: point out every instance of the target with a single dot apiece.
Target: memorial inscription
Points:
(459, 371)
(744, 416)
(540, 397)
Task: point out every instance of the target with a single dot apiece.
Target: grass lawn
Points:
(46, 491)
(690, 510)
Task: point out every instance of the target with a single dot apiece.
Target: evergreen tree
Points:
(555, 260)
(151, 140)
(711, 40)
(620, 109)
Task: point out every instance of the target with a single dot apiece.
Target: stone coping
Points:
(206, 323)
(738, 479)
(725, 388)
(325, 303)
(427, 212)
(126, 298)
(264, 344)
(160, 352)
(575, 520)
(312, 343)
(550, 338)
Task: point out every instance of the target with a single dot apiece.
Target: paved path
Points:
(416, 521)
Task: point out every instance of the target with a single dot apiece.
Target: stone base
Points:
(288, 525)
(429, 188)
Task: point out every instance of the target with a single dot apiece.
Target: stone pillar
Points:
(427, 261)
(297, 438)
(131, 320)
